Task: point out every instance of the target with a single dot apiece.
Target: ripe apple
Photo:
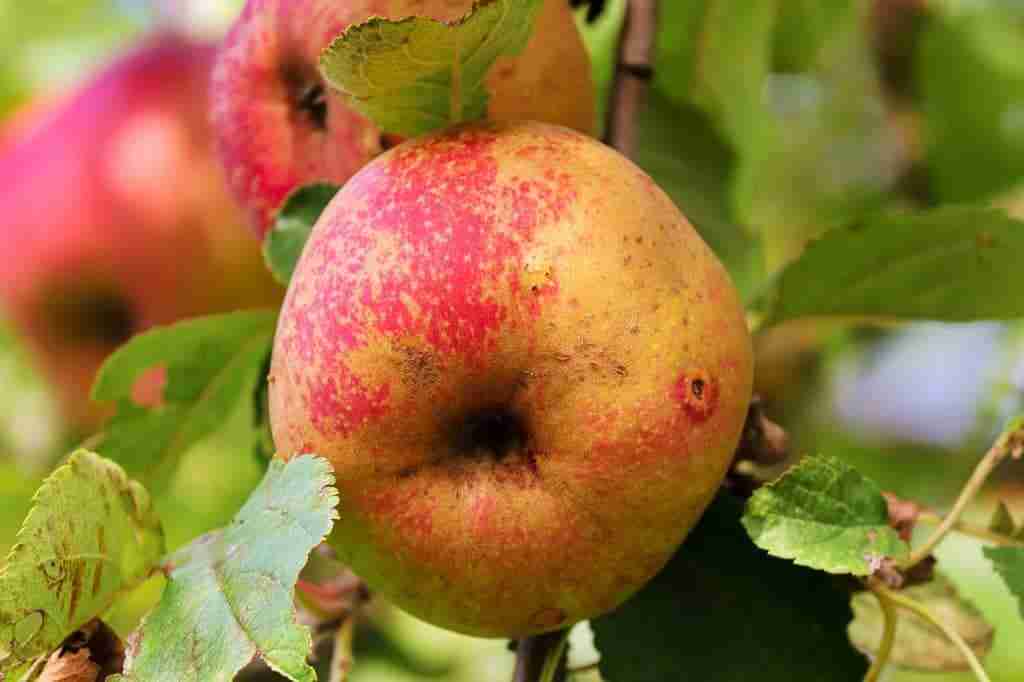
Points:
(528, 371)
(22, 120)
(280, 127)
(117, 217)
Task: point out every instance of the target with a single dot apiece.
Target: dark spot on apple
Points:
(697, 388)
(90, 315)
(697, 392)
(492, 432)
(306, 93)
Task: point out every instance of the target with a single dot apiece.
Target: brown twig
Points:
(532, 653)
(633, 74)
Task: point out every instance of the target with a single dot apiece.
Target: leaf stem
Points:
(978, 532)
(888, 634)
(633, 74)
(1004, 445)
(903, 602)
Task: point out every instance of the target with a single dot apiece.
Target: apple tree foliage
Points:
(769, 122)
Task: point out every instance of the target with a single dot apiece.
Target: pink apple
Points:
(279, 127)
(117, 217)
(529, 373)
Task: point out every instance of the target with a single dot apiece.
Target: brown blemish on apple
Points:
(418, 368)
(697, 391)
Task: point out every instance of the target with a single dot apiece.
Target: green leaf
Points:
(733, 61)
(1009, 563)
(229, 595)
(822, 152)
(971, 81)
(919, 644)
(416, 75)
(804, 27)
(1002, 521)
(823, 514)
(211, 363)
(687, 158)
(724, 611)
(952, 264)
(287, 237)
(793, 88)
(678, 44)
(91, 535)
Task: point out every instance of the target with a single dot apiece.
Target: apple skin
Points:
(527, 369)
(21, 121)
(272, 140)
(117, 217)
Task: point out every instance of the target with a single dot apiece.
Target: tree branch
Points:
(633, 74)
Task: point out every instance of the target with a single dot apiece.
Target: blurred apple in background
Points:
(117, 218)
(23, 120)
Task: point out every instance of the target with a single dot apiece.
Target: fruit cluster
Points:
(527, 369)
(525, 366)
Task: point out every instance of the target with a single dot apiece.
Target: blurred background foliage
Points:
(769, 122)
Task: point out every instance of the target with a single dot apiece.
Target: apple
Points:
(117, 217)
(22, 120)
(279, 126)
(528, 371)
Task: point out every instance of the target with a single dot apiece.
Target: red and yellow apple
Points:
(279, 126)
(117, 217)
(527, 369)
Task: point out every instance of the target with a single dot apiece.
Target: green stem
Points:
(977, 532)
(988, 463)
(554, 658)
(888, 634)
(953, 636)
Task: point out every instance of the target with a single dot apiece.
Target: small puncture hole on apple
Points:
(698, 393)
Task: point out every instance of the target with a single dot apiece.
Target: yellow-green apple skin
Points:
(527, 369)
(117, 217)
(279, 126)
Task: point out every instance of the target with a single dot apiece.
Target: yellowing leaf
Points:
(919, 644)
(91, 535)
(415, 75)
